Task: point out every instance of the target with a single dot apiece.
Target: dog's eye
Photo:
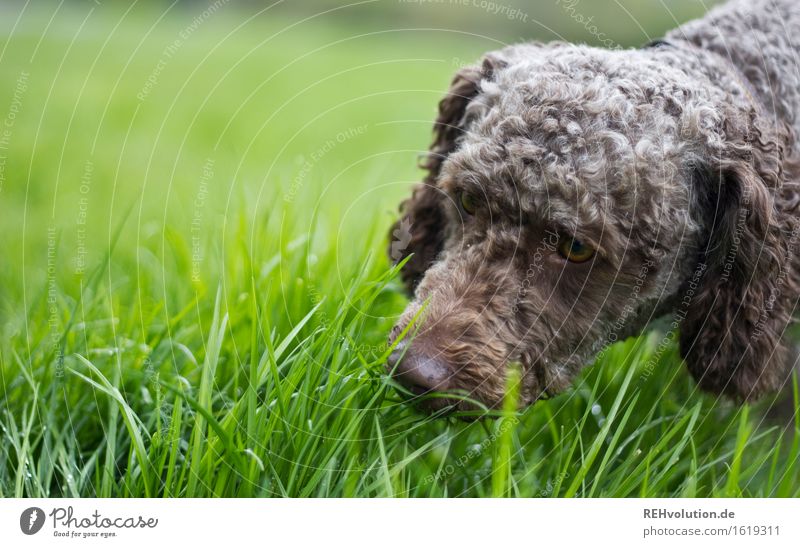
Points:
(469, 203)
(574, 250)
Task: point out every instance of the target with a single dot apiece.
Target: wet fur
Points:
(678, 163)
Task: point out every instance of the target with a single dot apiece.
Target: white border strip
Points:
(406, 523)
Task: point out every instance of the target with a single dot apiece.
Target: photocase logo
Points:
(401, 237)
(31, 520)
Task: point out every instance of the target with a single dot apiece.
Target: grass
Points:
(195, 299)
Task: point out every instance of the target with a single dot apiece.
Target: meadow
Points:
(195, 296)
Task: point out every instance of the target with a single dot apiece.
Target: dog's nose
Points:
(417, 371)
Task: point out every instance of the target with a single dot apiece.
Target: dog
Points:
(576, 194)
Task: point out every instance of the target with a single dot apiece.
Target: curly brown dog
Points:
(576, 194)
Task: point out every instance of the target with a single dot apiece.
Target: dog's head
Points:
(575, 194)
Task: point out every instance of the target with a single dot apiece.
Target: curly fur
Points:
(677, 163)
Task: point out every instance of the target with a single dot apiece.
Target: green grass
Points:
(226, 334)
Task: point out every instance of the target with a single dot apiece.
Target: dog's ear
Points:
(421, 229)
(740, 300)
